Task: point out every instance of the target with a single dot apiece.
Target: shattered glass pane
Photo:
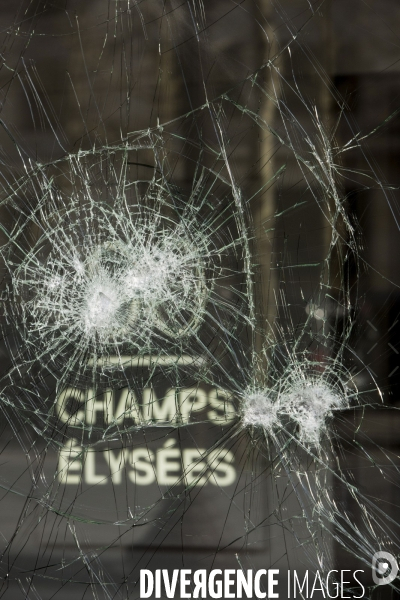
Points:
(199, 257)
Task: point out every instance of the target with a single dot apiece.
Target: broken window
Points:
(200, 308)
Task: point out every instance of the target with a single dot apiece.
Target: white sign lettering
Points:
(168, 465)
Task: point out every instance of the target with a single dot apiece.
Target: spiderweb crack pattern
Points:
(179, 325)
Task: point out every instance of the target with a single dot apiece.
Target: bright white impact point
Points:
(310, 404)
(100, 309)
(124, 290)
(259, 410)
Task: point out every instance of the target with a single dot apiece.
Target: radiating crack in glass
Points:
(142, 366)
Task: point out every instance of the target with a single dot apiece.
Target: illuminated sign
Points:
(125, 410)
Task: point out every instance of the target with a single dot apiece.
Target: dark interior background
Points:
(87, 73)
